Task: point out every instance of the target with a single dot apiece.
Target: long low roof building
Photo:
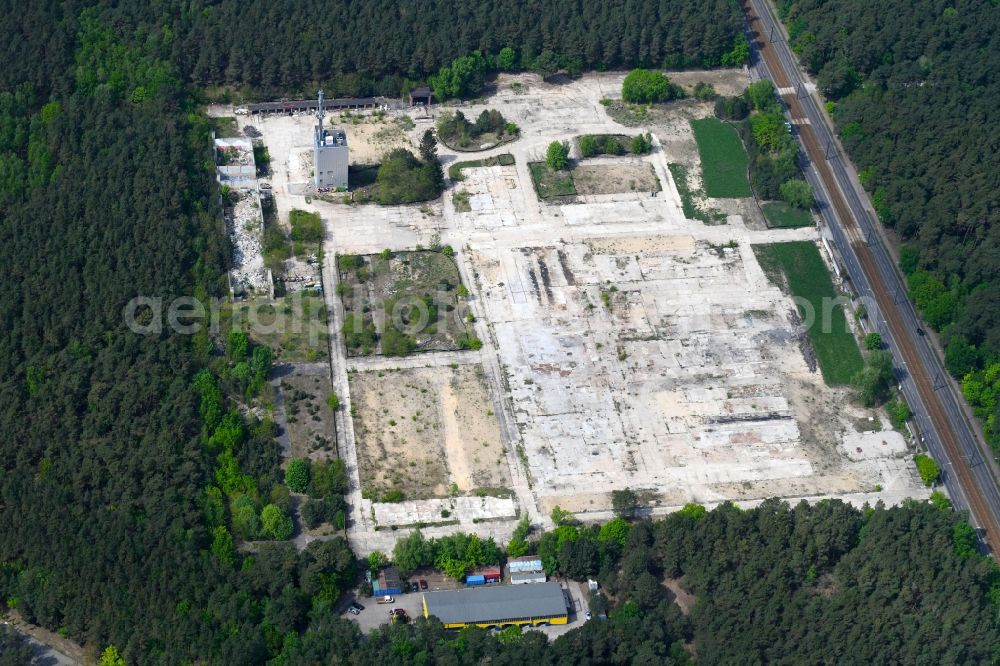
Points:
(505, 604)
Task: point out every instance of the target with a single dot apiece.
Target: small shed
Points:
(422, 95)
(388, 582)
(492, 574)
(523, 577)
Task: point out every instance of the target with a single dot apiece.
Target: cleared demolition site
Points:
(619, 343)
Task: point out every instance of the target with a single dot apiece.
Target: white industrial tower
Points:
(330, 157)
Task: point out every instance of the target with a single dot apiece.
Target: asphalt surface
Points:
(42, 654)
(968, 469)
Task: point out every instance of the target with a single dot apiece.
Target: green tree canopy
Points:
(276, 523)
(798, 193)
(872, 384)
(297, 474)
(644, 86)
(624, 502)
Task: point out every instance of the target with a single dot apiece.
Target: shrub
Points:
(357, 333)
(330, 510)
(704, 91)
(237, 345)
(732, 108)
(928, 468)
(557, 155)
(306, 227)
(396, 343)
(899, 413)
(560, 516)
(588, 145)
(456, 130)
(349, 262)
(297, 475)
(470, 342)
(873, 341)
(939, 500)
(641, 144)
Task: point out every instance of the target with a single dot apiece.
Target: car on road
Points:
(423, 584)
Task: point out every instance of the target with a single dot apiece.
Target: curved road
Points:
(968, 468)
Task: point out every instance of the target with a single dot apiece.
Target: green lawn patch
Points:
(691, 209)
(798, 268)
(780, 215)
(723, 159)
(549, 183)
(225, 127)
(503, 159)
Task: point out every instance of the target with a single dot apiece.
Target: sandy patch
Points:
(631, 176)
(369, 137)
(420, 430)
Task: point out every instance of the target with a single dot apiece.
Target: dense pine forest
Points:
(914, 85)
(374, 46)
(118, 447)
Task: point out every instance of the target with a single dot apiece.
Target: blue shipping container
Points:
(377, 592)
(475, 580)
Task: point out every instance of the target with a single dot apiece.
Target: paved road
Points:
(42, 654)
(969, 470)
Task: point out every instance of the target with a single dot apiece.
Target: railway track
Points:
(979, 489)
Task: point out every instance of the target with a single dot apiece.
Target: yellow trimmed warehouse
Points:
(498, 606)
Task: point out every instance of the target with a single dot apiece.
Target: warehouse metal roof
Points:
(497, 604)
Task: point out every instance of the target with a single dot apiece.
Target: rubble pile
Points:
(246, 228)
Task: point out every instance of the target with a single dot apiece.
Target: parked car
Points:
(353, 611)
(414, 586)
(423, 584)
(385, 600)
(357, 606)
(589, 615)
